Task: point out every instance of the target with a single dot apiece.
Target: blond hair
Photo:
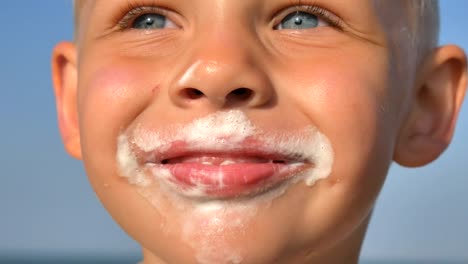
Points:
(412, 28)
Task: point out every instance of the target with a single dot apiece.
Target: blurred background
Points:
(49, 212)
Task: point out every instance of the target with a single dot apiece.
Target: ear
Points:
(64, 76)
(438, 96)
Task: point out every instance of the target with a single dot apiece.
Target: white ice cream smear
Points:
(219, 130)
(224, 131)
(208, 226)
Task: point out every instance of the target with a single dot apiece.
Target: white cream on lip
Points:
(225, 131)
(211, 131)
(210, 220)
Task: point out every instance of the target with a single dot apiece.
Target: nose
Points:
(222, 75)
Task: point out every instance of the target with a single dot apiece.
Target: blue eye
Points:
(299, 20)
(152, 21)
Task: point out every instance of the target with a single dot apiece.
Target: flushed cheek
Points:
(351, 108)
(360, 130)
(109, 99)
(109, 89)
(345, 103)
(337, 98)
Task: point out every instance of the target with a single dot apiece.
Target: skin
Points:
(344, 82)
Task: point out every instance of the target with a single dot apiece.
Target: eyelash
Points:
(141, 7)
(322, 13)
(310, 6)
(136, 9)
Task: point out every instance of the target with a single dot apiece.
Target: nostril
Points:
(192, 93)
(240, 94)
(235, 97)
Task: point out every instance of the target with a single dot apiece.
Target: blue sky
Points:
(47, 205)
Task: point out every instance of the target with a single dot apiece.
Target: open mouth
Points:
(225, 174)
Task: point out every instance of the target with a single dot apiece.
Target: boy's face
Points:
(143, 72)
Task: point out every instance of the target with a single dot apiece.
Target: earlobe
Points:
(64, 76)
(431, 122)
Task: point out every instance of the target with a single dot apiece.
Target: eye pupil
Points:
(298, 21)
(150, 21)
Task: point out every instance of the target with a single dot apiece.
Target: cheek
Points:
(105, 91)
(347, 103)
(360, 127)
(111, 97)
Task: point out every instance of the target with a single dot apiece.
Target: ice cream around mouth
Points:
(223, 156)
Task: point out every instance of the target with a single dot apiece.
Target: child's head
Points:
(253, 131)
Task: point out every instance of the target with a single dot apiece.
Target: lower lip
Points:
(233, 180)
